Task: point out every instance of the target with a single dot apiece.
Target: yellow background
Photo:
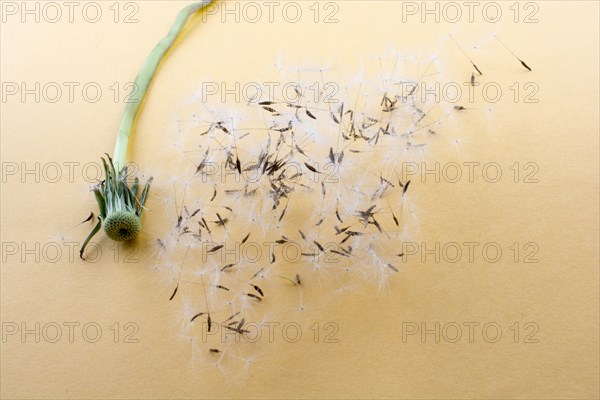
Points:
(560, 214)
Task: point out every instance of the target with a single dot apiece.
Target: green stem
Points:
(144, 79)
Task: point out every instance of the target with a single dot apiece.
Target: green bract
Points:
(120, 206)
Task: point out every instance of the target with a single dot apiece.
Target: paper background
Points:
(559, 213)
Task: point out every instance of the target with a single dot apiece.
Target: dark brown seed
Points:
(283, 212)
(220, 221)
(253, 296)
(311, 168)
(340, 253)
(196, 316)
(376, 224)
(259, 290)
(206, 225)
(245, 238)
(88, 218)
(215, 248)
(525, 65)
(405, 188)
(174, 292)
(221, 127)
(337, 214)
(227, 267)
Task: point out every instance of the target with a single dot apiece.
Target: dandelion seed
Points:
(405, 187)
(221, 221)
(174, 292)
(390, 266)
(196, 316)
(331, 156)
(245, 238)
(215, 249)
(225, 268)
(468, 58)
(319, 246)
(311, 168)
(511, 52)
(337, 215)
(258, 289)
(283, 212)
(91, 216)
(253, 296)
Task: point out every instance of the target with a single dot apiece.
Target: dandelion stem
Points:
(144, 79)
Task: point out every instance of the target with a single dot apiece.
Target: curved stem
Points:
(144, 79)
